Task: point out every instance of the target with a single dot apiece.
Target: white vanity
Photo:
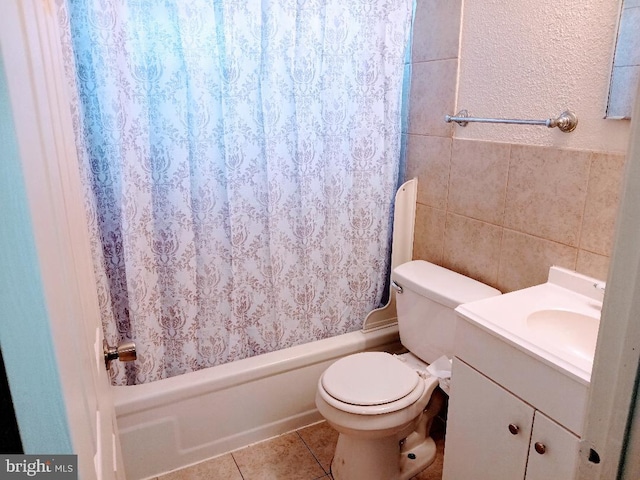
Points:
(520, 380)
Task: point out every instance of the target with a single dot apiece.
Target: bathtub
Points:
(179, 421)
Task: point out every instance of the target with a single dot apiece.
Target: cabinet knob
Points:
(540, 447)
(514, 429)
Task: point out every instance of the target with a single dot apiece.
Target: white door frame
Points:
(611, 430)
(30, 45)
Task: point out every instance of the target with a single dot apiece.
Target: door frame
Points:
(31, 51)
(612, 429)
(24, 331)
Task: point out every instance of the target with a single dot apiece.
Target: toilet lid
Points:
(369, 378)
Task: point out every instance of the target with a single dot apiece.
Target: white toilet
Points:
(382, 405)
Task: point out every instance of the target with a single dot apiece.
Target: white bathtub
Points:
(173, 423)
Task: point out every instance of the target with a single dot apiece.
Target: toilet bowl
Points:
(382, 405)
(372, 417)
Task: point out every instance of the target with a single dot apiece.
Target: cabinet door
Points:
(553, 452)
(480, 444)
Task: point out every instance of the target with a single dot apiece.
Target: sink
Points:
(572, 331)
(557, 322)
(540, 341)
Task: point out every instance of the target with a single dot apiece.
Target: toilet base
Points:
(424, 454)
(381, 459)
(387, 458)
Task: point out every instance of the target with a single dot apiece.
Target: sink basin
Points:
(571, 331)
(556, 322)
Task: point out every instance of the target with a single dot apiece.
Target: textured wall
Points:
(534, 59)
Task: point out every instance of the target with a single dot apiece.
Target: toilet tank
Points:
(426, 316)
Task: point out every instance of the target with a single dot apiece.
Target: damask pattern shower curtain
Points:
(240, 159)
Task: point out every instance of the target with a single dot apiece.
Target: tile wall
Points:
(506, 213)
(498, 212)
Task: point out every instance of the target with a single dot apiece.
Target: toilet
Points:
(382, 405)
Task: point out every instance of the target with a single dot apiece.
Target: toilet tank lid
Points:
(441, 285)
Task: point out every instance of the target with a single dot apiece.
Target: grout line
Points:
(237, 466)
(592, 159)
(446, 202)
(311, 452)
(506, 186)
(501, 255)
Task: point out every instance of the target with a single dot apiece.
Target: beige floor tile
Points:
(223, 468)
(290, 457)
(282, 458)
(321, 440)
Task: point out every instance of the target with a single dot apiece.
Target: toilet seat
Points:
(370, 383)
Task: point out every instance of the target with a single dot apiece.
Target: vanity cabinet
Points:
(492, 434)
(553, 452)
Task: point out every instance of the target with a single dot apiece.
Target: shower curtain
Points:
(240, 159)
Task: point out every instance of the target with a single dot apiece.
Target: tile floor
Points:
(304, 454)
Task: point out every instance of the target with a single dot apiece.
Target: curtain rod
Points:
(566, 121)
